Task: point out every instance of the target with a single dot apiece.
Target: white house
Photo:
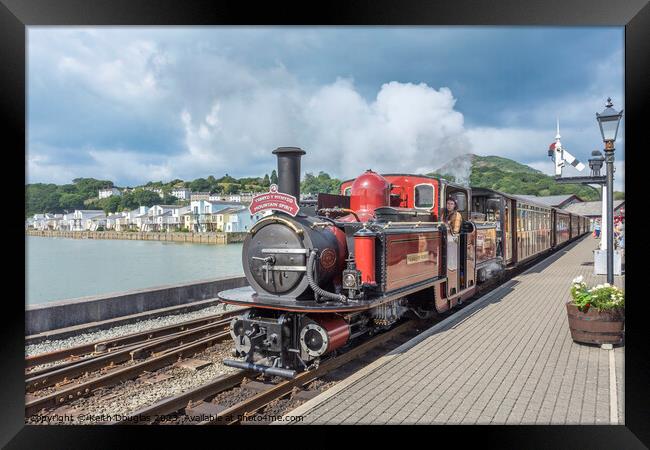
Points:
(157, 215)
(66, 222)
(44, 221)
(204, 215)
(247, 197)
(177, 219)
(127, 221)
(94, 223)
(112, 220)
(141, 221)
(81, 217)
(53, 221)
(181, 193)
(197, 196)
(36, 221)
(239, 220)
(105, 193)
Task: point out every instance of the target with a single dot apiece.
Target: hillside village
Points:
(224, 206)
(198, 212)
(227, 214)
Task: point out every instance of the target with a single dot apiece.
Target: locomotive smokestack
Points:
(289, 170)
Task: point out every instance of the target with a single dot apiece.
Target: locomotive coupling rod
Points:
(266, 370)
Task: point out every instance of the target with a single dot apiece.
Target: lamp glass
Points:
(609, 127)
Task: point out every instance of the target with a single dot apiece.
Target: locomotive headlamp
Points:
(350, 281)
(609, 121)
(351, 278)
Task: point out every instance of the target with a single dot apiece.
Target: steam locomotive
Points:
(354, 264)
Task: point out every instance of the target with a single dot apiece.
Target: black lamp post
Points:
(609, 121)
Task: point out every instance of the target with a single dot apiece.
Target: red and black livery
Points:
(358, 262)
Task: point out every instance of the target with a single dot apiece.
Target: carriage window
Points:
(424, 196)
(347, 191)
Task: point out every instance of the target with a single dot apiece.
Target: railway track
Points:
(83, 369)
(207, 401)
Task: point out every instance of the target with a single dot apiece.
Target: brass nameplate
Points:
(414, 258)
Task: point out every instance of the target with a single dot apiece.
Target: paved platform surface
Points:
(508, 358)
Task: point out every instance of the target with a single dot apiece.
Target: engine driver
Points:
(453, 219)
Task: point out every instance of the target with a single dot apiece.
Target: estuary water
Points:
(62, 268)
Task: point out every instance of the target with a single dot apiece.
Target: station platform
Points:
(506, 358)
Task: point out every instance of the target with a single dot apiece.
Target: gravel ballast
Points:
(122, 330)
(126, 398)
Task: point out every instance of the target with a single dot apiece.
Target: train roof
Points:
(553, 200)
(519, 198)
(525, 199)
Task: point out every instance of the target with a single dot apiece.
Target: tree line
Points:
(82, 193)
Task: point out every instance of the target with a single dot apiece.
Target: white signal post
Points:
(560, 155)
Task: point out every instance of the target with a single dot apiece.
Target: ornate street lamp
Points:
(609, 121)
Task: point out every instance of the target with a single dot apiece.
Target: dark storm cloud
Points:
(136, 104)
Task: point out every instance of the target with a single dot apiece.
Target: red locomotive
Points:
(358, 262)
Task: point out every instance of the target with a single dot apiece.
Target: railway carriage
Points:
(525, 227)
(354, 264)
(562, 227)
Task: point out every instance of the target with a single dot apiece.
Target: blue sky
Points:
(134, 104)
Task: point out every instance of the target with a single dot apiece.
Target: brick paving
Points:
(508, 359)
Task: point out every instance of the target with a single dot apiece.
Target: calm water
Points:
(60, 268)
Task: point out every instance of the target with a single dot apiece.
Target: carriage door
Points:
(507, 233)
(452, 263)
(457, 276)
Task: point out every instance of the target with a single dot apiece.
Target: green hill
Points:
(506, 175)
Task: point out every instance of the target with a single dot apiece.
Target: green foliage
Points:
(111, 204)
(227, 179)
(602, 297)
(169, 199)
(71, 201)
(321, 183)
(274, 177)
(142, 197)
(88, 187)
(231, 188)
(40, 198)
(200, 185)
(511, 177)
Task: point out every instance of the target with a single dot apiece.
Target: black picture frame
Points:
(634, 15)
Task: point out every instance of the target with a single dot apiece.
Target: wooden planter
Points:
(596, 327)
